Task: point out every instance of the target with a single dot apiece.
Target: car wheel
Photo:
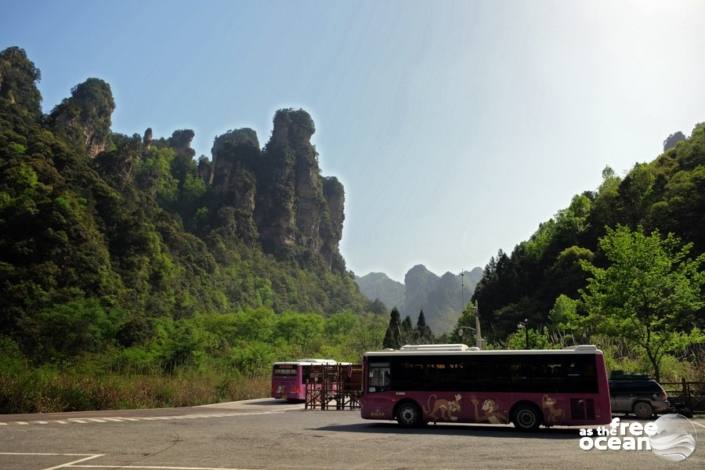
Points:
(526, 418)
(643, 410)
(409, 415)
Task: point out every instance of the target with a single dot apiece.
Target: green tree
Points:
(65, 330)
(302, 331)
(537, 339)
(563, 319)
(423, 333)
(376, 306)
(253, 358)
(465, 325)
(407, 330)
(392, 337)
(366, 336)
(647, 294)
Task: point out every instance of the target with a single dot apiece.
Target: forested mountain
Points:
(135, 226)
(666, 195)
(441, 298)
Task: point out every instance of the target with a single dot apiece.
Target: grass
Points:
(47, 391)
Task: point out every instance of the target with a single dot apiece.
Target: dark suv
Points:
(637, 394)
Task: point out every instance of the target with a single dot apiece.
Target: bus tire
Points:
(526, 417)
(409, 414)
(643, 410)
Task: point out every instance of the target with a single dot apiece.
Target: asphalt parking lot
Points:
(261, 434)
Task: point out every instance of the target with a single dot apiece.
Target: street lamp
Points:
(462, 329)
(525, 325)
(479, 342)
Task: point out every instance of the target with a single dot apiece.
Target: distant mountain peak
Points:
(441, 298)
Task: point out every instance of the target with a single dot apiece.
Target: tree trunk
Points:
(655, 363)
(653, 357)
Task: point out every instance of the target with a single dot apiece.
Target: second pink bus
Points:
(289, 378)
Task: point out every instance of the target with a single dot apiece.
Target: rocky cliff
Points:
(233, 178)
(85, 116)
(134, 222)
(18, 93)
(278, 194)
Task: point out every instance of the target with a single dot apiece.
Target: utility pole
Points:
(478, 333)
(525, 325)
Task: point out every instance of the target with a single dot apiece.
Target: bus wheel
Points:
(409, 415)
(526, 418)
(643, 410)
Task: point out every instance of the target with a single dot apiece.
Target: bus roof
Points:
(463, 350)
(311, 362)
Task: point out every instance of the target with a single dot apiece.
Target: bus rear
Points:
(287, 383)
(453, 383)
(289, 378)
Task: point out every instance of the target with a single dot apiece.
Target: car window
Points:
(618, 387)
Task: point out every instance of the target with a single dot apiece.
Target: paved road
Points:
(260, 434)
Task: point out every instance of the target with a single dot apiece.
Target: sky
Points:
(456, 127)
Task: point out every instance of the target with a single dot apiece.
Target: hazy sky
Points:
(456, 127)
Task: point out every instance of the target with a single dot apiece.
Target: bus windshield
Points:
(284, 370)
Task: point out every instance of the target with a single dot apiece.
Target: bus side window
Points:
(379, 377)
(581, 374)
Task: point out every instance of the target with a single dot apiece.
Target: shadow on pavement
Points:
(455, 430)
(271, 402)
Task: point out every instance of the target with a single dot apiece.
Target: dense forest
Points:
(621, 266)
(125, 255)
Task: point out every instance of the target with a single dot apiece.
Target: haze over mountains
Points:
(442, 298)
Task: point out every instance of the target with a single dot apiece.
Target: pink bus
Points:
(453, 383)
(289, 378)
